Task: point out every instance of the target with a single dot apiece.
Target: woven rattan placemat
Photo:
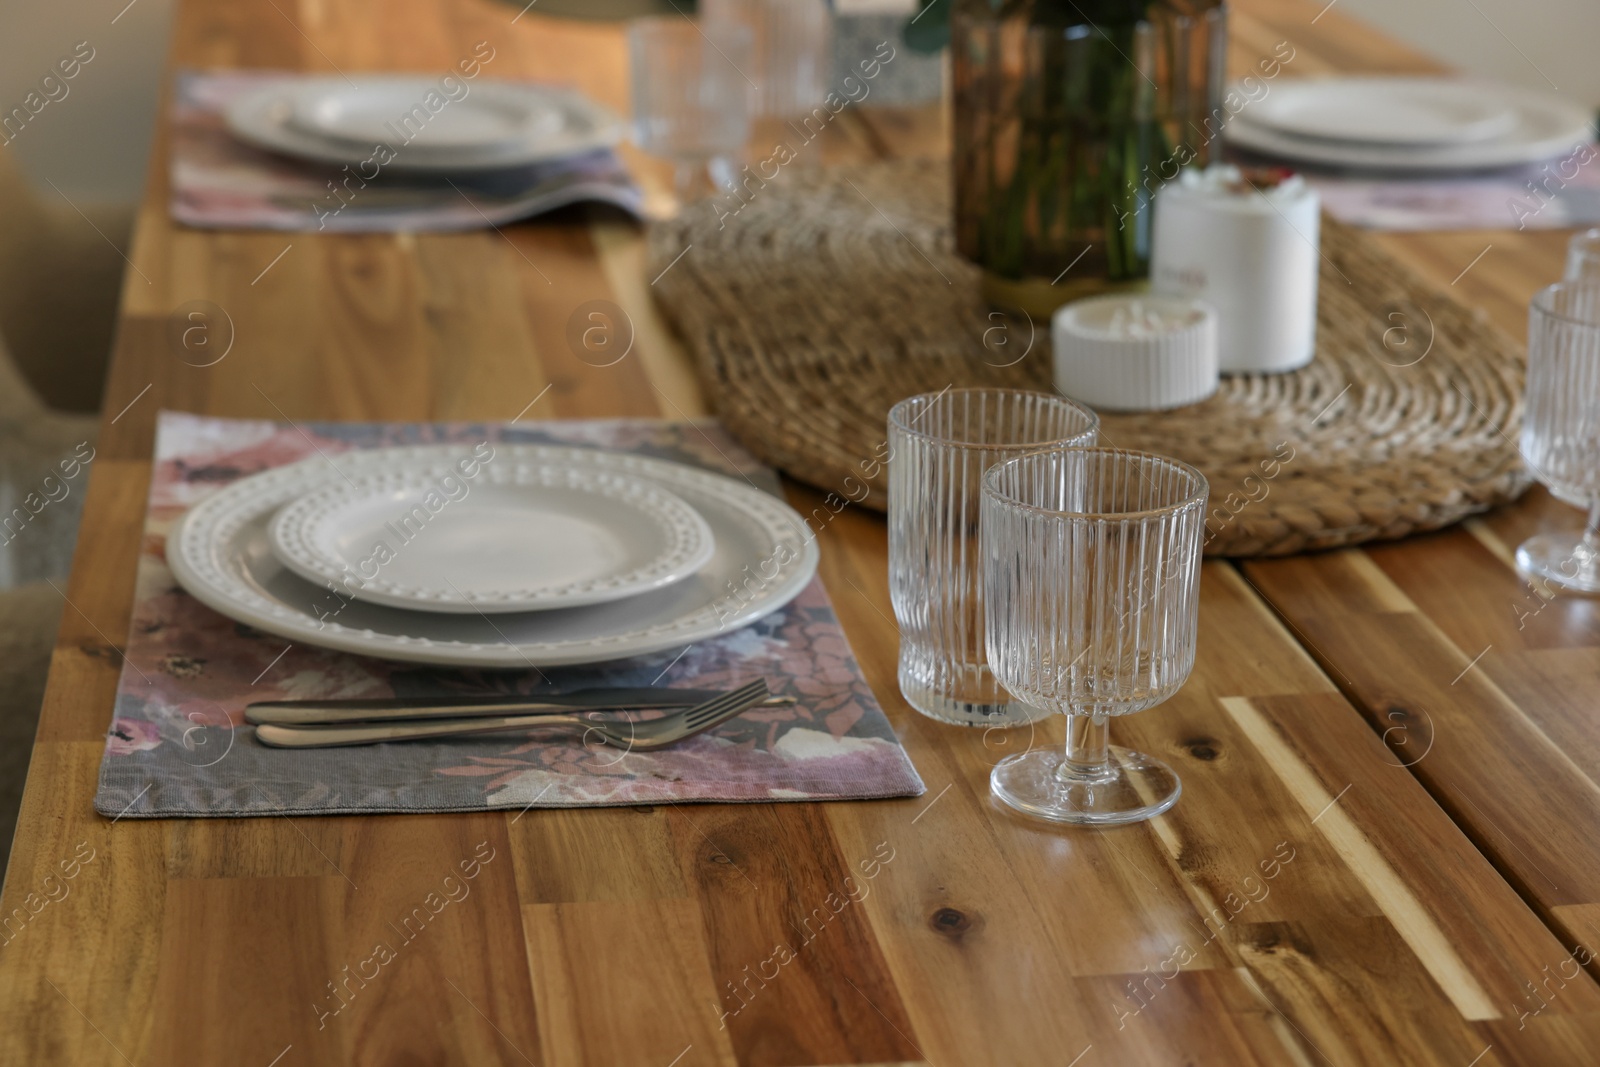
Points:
(832, 293)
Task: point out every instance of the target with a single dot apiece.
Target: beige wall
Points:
(1543, 44)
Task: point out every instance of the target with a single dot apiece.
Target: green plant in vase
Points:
(1069, 115)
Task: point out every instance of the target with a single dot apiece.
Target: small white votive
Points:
(1129, 352)
(1245, 242)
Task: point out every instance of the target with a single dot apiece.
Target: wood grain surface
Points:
(1384, 852)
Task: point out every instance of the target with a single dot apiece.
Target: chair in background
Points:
(40, 504)
(29, 616)
(60, 276)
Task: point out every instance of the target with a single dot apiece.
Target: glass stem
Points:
(683, 179)
(1088, 756)
(1584, 561)
(1590, 543)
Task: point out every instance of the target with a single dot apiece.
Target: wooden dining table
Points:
(1387, 850)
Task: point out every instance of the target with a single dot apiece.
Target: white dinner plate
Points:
(1544, 127)
(490, 116)
(764, 556)
(1388, 111)
(517, 537)
(275, 117)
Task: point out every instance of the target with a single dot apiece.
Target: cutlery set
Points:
(325, 723)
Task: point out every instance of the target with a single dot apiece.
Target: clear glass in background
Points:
(691, 97)
(1092, 579)
(1561, 427)
(1583, 256)
(791, 64)
(940, 446)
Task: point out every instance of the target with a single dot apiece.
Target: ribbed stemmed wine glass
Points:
(1092, 581)
(1561, 427)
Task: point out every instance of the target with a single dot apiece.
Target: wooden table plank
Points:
(1306, 902)
(660, 984)
(1482, 683)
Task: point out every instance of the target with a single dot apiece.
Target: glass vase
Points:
(1068, 116)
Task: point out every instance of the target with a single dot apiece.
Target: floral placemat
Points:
(178, 744)
(219, 181)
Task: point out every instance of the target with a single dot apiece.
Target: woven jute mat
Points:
(833, 293)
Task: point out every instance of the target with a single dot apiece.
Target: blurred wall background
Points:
(1543, 44)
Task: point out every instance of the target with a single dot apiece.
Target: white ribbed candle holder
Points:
(1129, 352)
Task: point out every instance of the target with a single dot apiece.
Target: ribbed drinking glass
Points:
(1092, 581)
(940, 446)
(1583, 256)
(690, 97)
(791, 51)
(1561, 427)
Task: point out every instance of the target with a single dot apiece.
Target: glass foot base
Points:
(1560, 560)
(1136, 788)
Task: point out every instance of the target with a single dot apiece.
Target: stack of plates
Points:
(1407, 124)
(535, 556)
(413, 123)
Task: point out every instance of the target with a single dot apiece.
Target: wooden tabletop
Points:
(1386, 850)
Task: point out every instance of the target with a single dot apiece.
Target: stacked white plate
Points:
(414, 123)
(536, 556)
(1407, 123)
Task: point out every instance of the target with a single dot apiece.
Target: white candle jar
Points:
(1245, 242)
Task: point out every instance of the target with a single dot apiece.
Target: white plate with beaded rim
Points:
(764, 555)
(275, 118)
(490, 116)
(1406, 111)
(516, 537)
(1544, 127)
